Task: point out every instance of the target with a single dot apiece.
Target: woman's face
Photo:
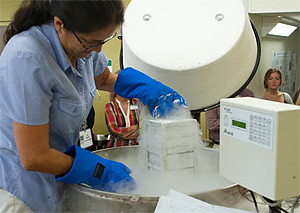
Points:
(274, 80)
(85, 43)
(79, 45)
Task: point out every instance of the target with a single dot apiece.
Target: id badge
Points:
(85, 138)
(134, 107)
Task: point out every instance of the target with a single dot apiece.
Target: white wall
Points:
(269, 45)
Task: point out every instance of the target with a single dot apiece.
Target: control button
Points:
(264, 127)
(264, 120)
(260, 119)
(259, 140)
(226, 120)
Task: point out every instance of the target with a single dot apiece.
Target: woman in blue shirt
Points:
(49, 70)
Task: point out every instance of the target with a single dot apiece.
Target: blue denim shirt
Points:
(38, 85)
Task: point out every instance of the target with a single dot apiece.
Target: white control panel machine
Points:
(260, 146)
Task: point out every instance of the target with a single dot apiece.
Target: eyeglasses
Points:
(95, 46)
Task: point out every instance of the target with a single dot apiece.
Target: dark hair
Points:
(78, 15)
(268, 74)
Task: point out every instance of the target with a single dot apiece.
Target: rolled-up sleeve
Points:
(100, 62)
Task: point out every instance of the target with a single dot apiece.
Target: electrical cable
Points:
(254, 200)
(244, 195)
(274, 205)
(294, 204)
(292, 201)
(279, 208)
(271, 204)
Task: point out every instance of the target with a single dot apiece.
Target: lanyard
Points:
(85, 136)
(84, 125)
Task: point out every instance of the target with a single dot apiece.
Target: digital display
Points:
(239, 124)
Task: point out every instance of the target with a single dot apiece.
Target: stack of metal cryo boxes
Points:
(170, 143)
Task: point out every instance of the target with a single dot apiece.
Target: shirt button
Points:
(75, 110)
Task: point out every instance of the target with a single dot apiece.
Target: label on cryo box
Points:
(248, 126)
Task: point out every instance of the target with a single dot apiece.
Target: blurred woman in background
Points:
(122, 120)
(272, 82)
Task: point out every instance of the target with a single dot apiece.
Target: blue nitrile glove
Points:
(97, 172)
(160, 98)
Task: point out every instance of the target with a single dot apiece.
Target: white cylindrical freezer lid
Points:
(204, 49)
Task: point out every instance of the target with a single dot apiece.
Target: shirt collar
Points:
(61, 56)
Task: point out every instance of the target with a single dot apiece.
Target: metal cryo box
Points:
(260, 146)
(171, 143)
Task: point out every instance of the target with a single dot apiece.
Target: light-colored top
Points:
(126, 115)
(38, 85)
(287, 98)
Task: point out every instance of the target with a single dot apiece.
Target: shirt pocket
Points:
(67, 120)
(70, 107)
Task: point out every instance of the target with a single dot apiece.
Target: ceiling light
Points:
(281, 29)
(278, 26)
